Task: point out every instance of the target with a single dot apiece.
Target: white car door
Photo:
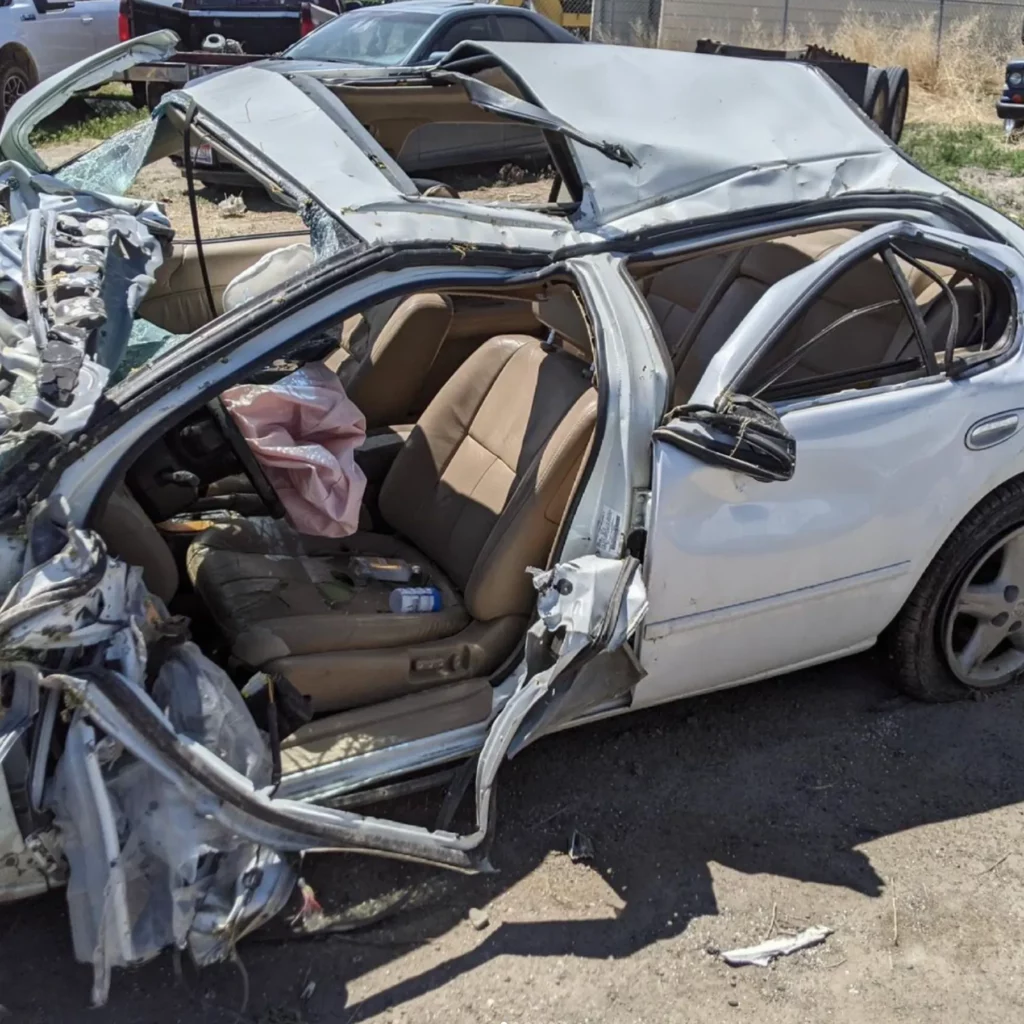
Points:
(749, 577)
(100, 16)
(58, 33)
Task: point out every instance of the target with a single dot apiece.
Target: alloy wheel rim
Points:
(14, 88)
(984, 631)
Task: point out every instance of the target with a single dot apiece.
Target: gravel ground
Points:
(818, 798)
(164, 182)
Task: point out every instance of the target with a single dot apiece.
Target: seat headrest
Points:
(559, 309)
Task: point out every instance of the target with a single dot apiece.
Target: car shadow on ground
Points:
(789, 777)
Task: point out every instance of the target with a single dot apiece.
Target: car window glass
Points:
(465, 29)
(521, 30)
(373, 35)
(857, 333)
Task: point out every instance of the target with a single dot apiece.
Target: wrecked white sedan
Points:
(291, 523)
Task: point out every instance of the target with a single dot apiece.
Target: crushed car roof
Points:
(652, 138)
(725, 133)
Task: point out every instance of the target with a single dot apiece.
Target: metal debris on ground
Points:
(232, 206)
(307, 992)
(764, 953)
(581, 847)
(479, 919)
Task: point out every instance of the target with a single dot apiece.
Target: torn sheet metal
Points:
(149, 871)
(765, 952)
(313, 145)
(588, 608)
(149, 866)
(74, 268)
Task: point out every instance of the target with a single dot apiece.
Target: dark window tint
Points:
(466, 29)
(522, 30)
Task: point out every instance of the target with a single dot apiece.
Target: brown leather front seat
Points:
(386, 352)
(475, 496)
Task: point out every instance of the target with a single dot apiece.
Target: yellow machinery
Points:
(573, 15)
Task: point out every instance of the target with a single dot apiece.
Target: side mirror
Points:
(436, 56)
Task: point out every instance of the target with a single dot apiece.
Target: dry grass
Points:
(956, 85)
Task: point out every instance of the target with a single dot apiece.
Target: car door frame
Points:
(686, 645)
(610, 501)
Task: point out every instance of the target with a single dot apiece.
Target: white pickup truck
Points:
(41, 37)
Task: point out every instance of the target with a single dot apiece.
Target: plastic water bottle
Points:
(405, 600)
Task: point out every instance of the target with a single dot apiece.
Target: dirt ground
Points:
(227, 213)
(1000, 188)
(819, 798)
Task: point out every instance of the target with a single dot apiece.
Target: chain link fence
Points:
(679, 24)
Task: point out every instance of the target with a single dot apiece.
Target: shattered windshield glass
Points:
(113, 165)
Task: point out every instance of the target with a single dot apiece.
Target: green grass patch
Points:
(81, 120)
(945, 151)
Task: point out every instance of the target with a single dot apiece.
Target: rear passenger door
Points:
(793, 532)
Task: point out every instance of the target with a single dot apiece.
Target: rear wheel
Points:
(961, 631)
(876, 96)
(898, 81)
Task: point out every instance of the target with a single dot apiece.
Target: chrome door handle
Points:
(993, 430)
(86, 19)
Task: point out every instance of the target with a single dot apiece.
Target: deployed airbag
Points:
(304, 431)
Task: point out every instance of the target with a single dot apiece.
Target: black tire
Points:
(15, 81)
(913, 644)
(899, 94)
(138, 95)
(876, 96)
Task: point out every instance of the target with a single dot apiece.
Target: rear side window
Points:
(891, 317)
(478, 28)
(521, 30)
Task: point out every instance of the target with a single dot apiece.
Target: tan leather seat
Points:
(131, 536)
(475, 496)
(177, 300)
(700, 302)
(385, 354)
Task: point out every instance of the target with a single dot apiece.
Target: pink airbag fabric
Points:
(304, 431)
